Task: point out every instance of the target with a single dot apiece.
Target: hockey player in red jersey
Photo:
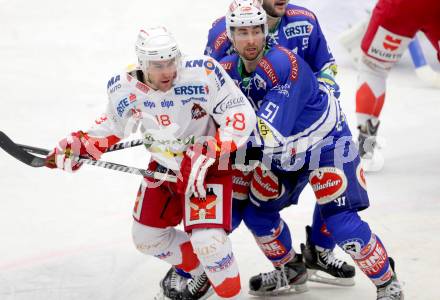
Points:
(392, 26)
(192, 116)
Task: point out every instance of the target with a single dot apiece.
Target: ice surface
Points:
(67, 236)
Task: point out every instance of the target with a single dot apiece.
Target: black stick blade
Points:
(15, 151)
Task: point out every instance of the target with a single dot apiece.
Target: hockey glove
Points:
(195, 164)
(66, 155)
(241, 181)
(326, 78)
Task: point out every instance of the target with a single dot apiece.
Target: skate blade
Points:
(285, 290)
(161, 296)
(318, 276)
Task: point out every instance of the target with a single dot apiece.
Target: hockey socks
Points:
(374, 262)
(214, 251)
(167, 244)
(278, 245)
(319, 234)
(355, 237)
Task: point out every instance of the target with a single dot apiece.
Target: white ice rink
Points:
(67, 236)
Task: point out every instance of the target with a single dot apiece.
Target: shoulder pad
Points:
(118, 84)
(218, 21)
(114, 83)
(228, 62)
(292, 61)
(279, 65)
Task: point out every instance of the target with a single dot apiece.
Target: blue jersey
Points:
(298, 30)
(295, 114)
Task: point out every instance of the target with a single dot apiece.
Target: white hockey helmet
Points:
(155, 44)
(243, 13)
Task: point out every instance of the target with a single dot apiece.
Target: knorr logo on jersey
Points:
(209, 66)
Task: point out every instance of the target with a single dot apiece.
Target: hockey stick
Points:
(35, 161)
(115, 147)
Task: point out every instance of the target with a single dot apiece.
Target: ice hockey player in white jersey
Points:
(192, 116)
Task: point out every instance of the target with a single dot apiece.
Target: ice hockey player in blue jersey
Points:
(291, 26)
(297, 28)
(303, 138)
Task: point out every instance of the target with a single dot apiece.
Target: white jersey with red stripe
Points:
(203, 101)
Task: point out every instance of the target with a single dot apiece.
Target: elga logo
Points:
(227, 104)
(149, 104)
(201, 99)
(167, 103)
(296, 29)
(122, 105)
(190, 90)
(112, 82)
(197, 112)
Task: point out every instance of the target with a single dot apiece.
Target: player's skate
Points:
(323, 266)
(198, 288)
(372, 159)
(290, 278)
(171, 286)
(392, 290)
